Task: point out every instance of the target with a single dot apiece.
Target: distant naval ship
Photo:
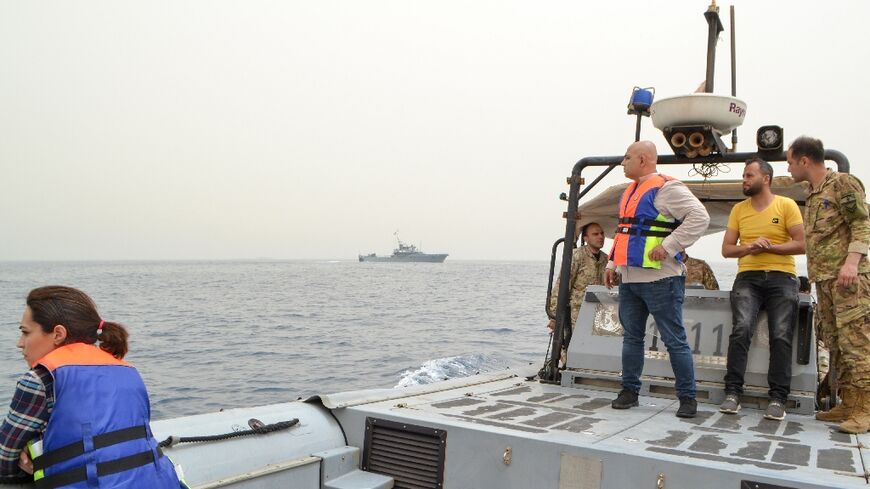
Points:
(405, 253)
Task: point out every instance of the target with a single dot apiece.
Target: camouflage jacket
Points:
(585, 270)
(699, 272)
(836, 223)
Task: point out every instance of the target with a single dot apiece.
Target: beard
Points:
(752, 189)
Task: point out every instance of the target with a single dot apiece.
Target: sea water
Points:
(215, 335)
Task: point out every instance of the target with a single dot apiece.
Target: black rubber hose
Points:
(269, 428)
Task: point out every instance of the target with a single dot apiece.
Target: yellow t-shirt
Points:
(772, 223)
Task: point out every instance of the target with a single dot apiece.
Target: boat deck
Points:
(624, 446)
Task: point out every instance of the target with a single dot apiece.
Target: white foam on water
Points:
(450, 368)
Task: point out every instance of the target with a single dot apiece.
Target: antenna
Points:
(733, 77)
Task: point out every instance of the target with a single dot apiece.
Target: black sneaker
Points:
(688, 408)
(625, 400)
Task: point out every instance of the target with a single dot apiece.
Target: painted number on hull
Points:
(696, 329)
(718, 330)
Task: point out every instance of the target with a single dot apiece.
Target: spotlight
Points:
(769, 138)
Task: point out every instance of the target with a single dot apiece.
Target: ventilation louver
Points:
(412, 455)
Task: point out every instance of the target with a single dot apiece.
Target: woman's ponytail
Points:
(113, 339)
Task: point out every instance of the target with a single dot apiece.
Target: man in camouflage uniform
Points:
(587, 268)
(838, 236)
(699, 272)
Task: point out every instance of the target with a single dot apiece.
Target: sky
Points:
(314, 130)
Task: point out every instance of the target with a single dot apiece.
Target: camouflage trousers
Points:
(844, 327)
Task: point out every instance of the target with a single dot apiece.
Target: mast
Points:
(714, 27)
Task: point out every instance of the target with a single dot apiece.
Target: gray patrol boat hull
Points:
(405, 253)
(409, 258)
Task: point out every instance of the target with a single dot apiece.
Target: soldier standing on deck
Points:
(837, 236)
(587, 268)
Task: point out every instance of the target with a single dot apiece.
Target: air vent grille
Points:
(412, 455)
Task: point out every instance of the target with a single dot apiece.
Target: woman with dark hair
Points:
(80, 417)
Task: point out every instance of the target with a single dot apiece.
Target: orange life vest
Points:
(641, 227)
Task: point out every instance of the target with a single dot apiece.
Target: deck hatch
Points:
(412, 455)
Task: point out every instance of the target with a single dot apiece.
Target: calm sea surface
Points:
(212, 335)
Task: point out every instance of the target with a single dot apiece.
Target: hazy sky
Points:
(288, 129)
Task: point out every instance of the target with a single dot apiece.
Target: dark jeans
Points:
(778, 293)
(664, 300)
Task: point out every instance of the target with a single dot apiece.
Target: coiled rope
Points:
(262, 430)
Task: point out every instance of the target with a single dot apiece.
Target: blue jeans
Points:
(664, 300)
(778, 293)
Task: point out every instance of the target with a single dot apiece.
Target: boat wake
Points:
(451, 368)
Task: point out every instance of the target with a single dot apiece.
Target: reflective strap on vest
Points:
(80, 474)
(73, 450)
(34, 449)
(649, 222)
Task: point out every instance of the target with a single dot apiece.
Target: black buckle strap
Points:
(80, 474)
(656, 234)
(73, 450)
(649, 222)
(126, 463)
(642, 232)
(120, 436)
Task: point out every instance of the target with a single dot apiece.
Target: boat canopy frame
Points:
(562, 334)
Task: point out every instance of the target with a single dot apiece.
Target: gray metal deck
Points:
(575, 434)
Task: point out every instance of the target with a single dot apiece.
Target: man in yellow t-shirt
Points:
(763, 233)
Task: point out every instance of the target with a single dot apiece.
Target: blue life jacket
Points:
(99, 433)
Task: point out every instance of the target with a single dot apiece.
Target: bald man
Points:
(658, 218)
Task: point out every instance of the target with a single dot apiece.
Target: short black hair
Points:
(764, 166)
(585, 229)
(812, 148)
